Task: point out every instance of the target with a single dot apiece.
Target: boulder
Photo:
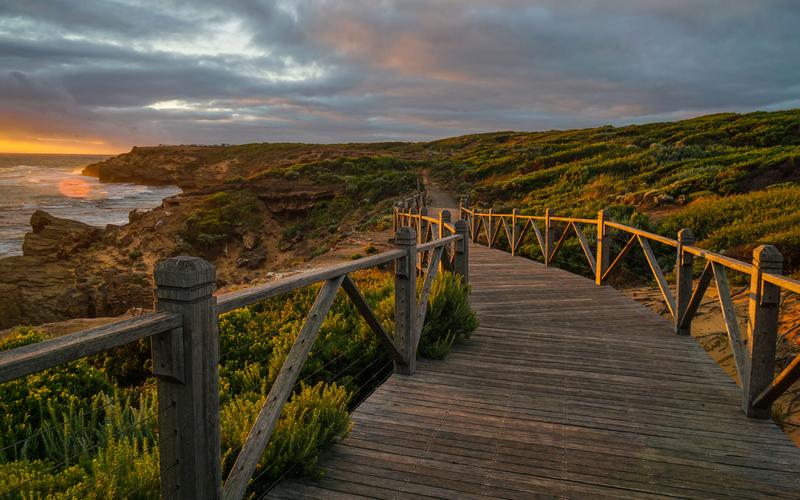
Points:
(54, 238)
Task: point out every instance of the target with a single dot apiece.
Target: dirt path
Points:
(439, 198)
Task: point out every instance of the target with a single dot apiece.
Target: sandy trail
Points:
(439, 198)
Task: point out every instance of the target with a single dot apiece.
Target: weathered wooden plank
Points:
(729, 315)
(661, 281)
(585, 247)
(229, 301)
(538, 234)
(697, 295)
(780, 384)
(36, 357)
(259, 435)
(643, 234)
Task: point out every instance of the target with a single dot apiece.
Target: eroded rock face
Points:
(54, 238)
(54, 278)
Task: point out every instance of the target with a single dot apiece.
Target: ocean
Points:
(54, 183)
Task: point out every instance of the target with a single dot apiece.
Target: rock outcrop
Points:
(58, 276)
(54, 238)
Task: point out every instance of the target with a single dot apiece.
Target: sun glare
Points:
(74, 188)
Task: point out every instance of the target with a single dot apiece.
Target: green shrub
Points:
(42, 399)
(313, 418)
(448, 318)
(739, 223)
(219, 218)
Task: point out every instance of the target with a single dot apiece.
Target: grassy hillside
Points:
(732, 178)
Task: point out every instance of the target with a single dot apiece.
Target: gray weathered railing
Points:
(753, 354)
(185, 349)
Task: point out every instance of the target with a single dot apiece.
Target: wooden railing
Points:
(753, 352)
(416, 201)
(185, 349)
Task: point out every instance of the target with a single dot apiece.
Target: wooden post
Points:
(405, 299)
(489, 228)
(395, 218)
(603, 247)
(421, 225)
(762, 329)
(549, 236)
(514, 232)
(474, 221)
(444, 218)
(188, 398)
(461, 263)
(683, 280)
(418, 225)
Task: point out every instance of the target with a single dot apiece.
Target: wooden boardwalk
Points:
(568, 390)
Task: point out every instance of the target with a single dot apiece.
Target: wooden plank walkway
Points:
(565, 390)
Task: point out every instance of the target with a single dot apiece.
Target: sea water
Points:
(54, 183)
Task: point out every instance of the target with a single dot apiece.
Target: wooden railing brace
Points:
(461, 262)
(603, 248)
(683, 281)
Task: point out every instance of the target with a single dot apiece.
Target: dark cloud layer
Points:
(128, 72)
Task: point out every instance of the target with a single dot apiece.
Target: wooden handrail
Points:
(240, 298)
(32, 358)
(438, 242)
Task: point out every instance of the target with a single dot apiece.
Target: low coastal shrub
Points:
(448, 317)
(741, 222)
(219, 217)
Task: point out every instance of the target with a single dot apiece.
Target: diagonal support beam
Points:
(521, 234)
(487, 222)
(539, 237)
(560, 242)
(780, 384)
(620, 255)
(659, 275)
(505, 228)
(369, 316)
(422, 306)
(585, 246)
(729, 315)
(697, 295)
(257, 440)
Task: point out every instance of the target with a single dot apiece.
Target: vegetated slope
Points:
(196, 166)
(732, 178)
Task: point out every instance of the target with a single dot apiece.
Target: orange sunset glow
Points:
(59, 146)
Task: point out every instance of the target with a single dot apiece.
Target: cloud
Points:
(320, 70)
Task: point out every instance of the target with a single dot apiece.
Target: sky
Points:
(100, 76)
